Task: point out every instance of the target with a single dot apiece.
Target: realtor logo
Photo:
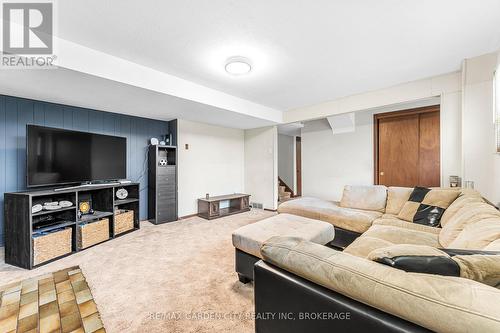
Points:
(28, 35)
(27, 28)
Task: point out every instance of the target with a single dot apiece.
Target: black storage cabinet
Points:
(162, 181)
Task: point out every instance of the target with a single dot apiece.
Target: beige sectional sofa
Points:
(437, 303)
(359, 207)
(468, 302)
(356, 220)
(468, 223)
(364, 206)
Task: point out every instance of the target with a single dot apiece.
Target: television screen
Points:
(58, 156)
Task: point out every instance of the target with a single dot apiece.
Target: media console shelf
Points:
(31, 239)
(223, 205)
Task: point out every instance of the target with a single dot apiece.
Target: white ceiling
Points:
(303, 52)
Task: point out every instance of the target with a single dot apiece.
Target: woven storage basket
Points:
(93, 233)
(51, 246)
(124, 221)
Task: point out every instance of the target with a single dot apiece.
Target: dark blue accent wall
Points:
(16, 113)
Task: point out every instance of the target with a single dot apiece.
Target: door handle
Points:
(381, 173)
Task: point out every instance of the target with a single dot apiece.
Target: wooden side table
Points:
(211, 208)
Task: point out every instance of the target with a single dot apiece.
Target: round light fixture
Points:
(238, 66)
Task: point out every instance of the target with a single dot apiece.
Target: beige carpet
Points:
(176, 277)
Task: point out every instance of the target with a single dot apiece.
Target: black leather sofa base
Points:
(283, 300)
(343, 238)
(244, 264)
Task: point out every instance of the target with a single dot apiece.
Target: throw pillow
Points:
(477, 265)
(426, 206)
(416, 259)
(437, 265)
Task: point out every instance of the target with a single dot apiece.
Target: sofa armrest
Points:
(285, 302)
(439, 303)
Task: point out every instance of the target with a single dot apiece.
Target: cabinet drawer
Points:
(166, 171)
(166, 187)
(164, 201)
(166, 179)
(166, 213)
(162, 192)
(166, 209)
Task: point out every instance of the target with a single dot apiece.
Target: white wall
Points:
(261, 166)
(481, 162)
(451, 134)
(467, 132)
(403, 93)
(331, 161)
(214, 162)
(496, 158)
(286, 159)
(248, 160)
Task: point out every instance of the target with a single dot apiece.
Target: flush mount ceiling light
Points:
(238, 66)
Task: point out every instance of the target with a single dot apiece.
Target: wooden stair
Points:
(285, 193)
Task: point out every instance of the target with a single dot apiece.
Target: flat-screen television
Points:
(58, 156)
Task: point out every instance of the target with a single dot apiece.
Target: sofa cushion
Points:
(379, 236)
(390, 216)
(396, 199)
(466, 196)
(398, 235)
(478, 235)
(249, 238)
(306, 206)
(469, 213)
(350, 219)
(398, 250)
(481, 268)
(438, 303)
(364, 197)
(493, 246)
(363, 246)
(356, 220)
(426, 206)
(395, 222)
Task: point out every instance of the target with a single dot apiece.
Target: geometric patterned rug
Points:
(54, 302)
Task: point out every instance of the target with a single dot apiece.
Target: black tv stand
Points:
(22, 226)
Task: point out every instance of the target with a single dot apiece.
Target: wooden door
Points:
(429, 162)
(298, 165)
(407, 148)
(398, 156)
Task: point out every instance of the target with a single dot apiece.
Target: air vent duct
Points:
(342, 123)
(257, 205)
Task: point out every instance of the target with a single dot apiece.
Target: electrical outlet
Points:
(186, 146)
